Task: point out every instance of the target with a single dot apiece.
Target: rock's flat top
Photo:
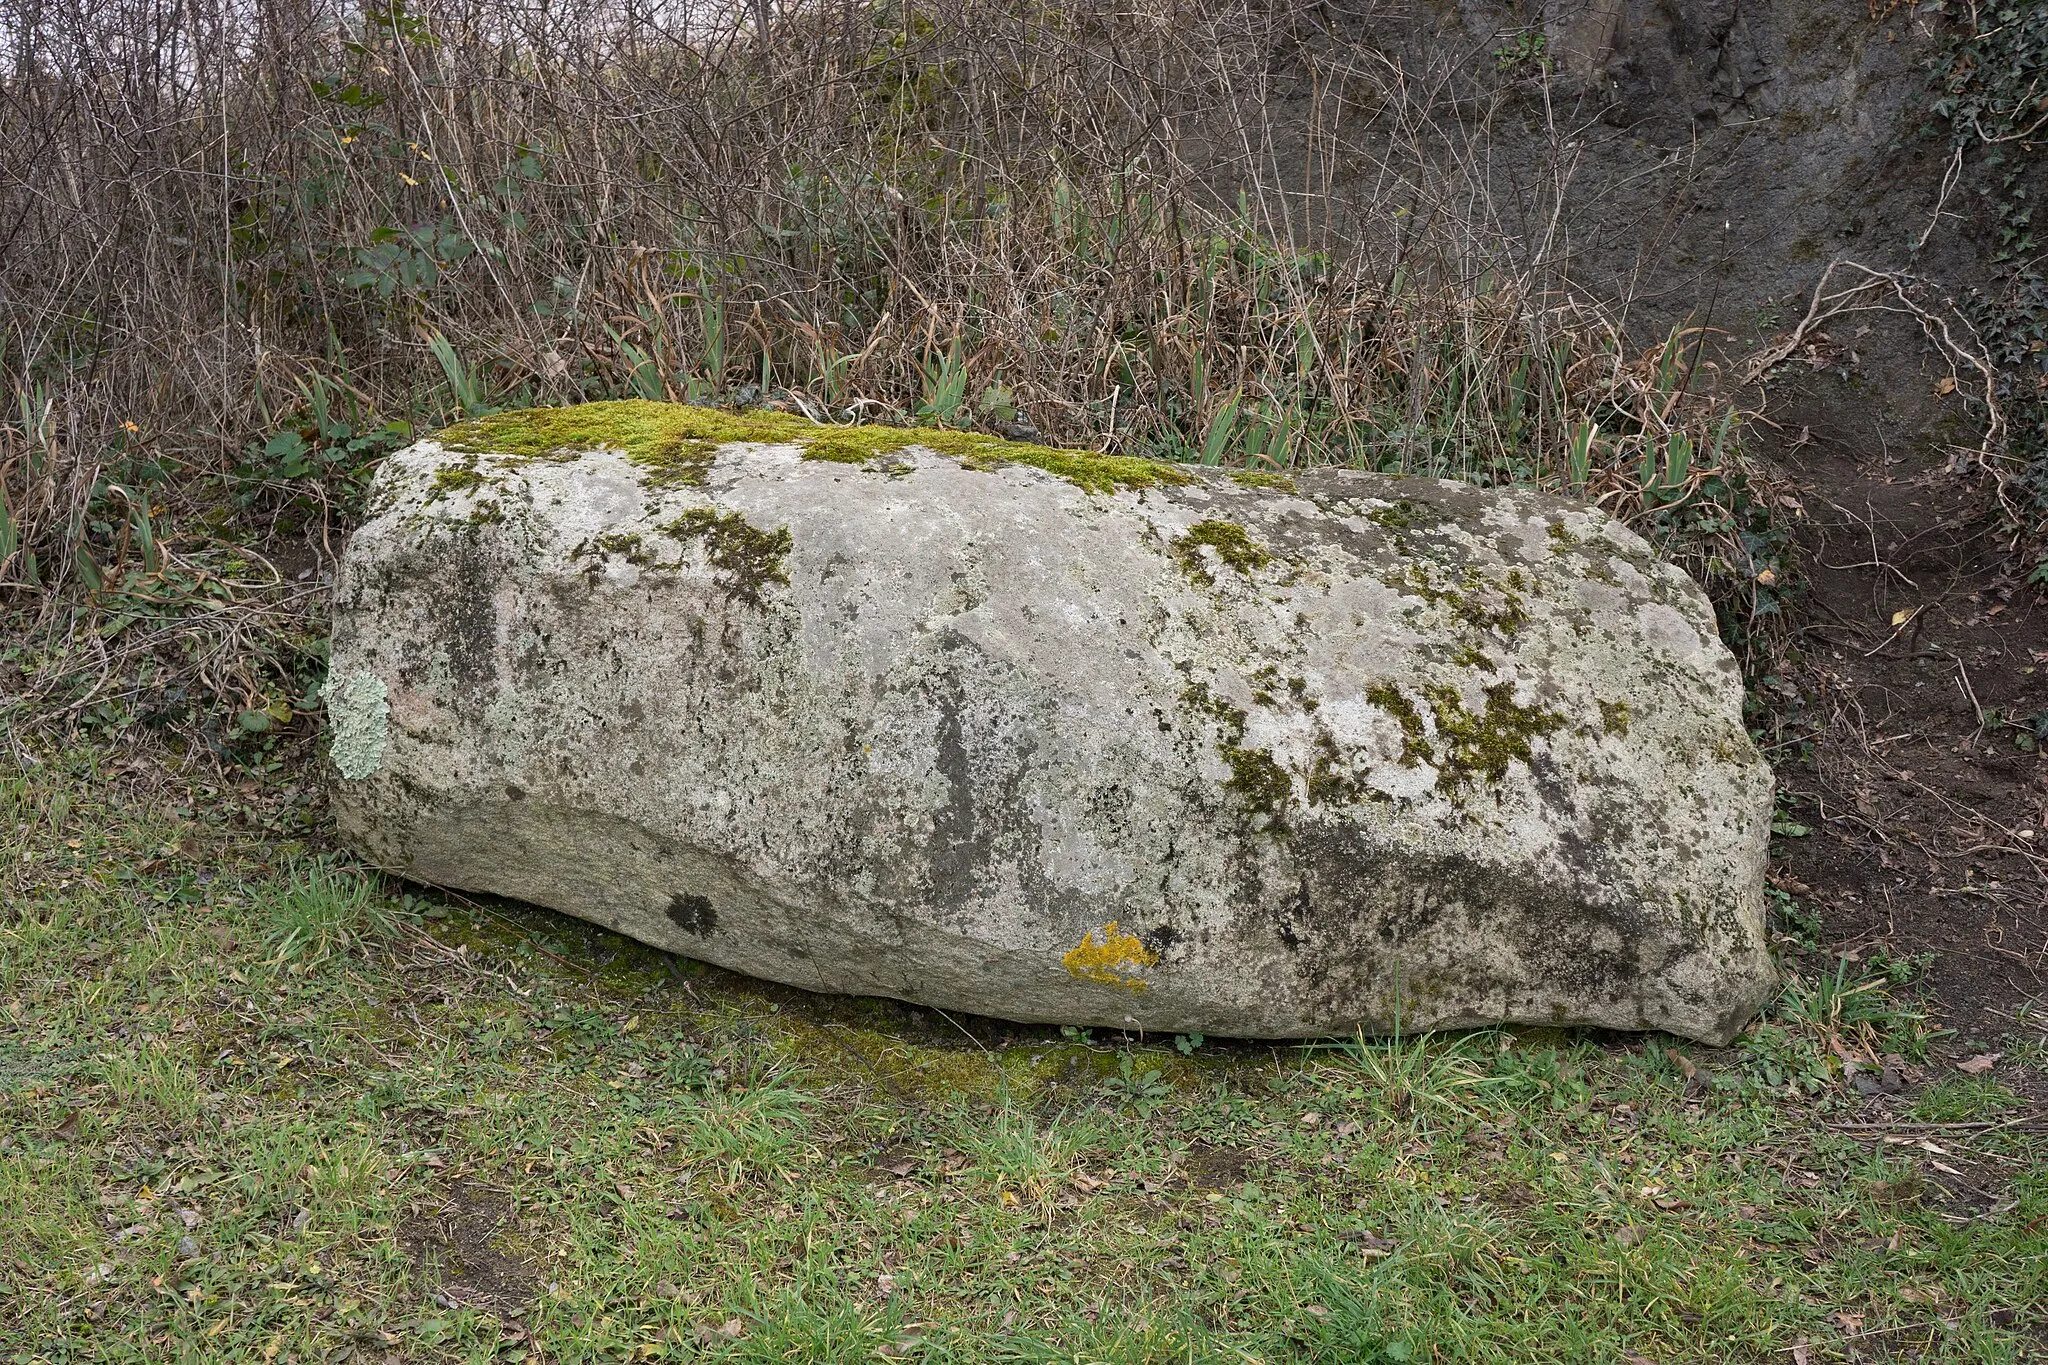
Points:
(1055, 737)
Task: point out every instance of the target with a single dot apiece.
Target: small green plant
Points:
(1187, 1044)
(323, 910)
(1836, 1007)
(1776, 1058)
(1819, 1020)
(1793, 920)
(687, 1068)
(1782, 821)
(465, 386)
(1900, 971)
(1526, 51)
(945, 389)
(2028, 732)
(1143, 1090)
(1414, 1077)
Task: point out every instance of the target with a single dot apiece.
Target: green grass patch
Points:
(437, 1129)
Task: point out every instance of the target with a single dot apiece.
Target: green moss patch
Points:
(747, 558)
(1481, 604)
(626, 544)
(1465, 746)
(674, 443)
(1332, 780)
(1407, 514)
(1231, 542)
(456, 478)
(1414, 734)
(1261, 478)
(1087, 469)
(1471, 745)
(1256, 777)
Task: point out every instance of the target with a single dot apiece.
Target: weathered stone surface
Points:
(1165, 751)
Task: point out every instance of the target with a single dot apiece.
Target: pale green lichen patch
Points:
(674, 443)
(1231, 543)
(358, 720)
(746, 557)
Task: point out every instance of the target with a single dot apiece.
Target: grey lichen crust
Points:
(1240, 757)
(358, 719)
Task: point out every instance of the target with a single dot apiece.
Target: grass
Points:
(454, 1131)
(322, 910)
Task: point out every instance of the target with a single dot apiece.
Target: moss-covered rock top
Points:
(675, 443)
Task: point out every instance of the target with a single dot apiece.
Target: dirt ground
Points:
(1915, 722)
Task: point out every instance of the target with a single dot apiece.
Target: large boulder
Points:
(1052, 736)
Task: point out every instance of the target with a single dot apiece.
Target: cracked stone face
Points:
(1191, 756)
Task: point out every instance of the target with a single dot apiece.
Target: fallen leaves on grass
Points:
(732, 1329)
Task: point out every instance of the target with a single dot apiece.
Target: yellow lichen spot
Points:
(1110, 957)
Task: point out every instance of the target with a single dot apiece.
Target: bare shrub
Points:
(248, 252)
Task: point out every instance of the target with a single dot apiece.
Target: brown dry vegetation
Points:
(246, 257)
